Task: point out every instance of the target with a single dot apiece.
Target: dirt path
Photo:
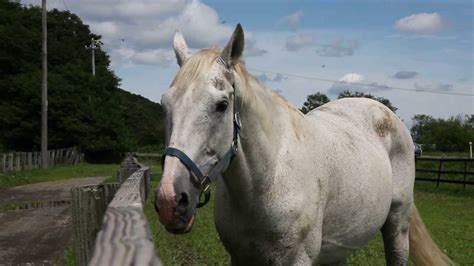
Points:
(39, 231)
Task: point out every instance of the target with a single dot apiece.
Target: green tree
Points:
(382, 100)
(422, 125)
(314, 101)
(92, 113)
(451, 134)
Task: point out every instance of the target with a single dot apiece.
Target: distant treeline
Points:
(91, 113)
(435, 134)
(451, 134)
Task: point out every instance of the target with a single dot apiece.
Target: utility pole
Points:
(93, 56)
(44, 94)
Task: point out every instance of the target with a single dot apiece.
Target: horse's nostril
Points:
(183, 201)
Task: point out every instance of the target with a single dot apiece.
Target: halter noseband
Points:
(204, 181)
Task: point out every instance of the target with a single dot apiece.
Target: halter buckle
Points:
(234, 146)
(205, 184)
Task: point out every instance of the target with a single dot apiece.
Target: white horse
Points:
(301, 189)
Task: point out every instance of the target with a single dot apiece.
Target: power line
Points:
(361, 84)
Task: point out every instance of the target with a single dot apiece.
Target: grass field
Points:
(447, 211)
(56, 173)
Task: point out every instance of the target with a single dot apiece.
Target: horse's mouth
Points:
(186, 229)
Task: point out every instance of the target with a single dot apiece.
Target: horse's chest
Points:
(256, 238)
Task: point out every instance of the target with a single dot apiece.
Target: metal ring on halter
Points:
(207, 197)
(237, 120)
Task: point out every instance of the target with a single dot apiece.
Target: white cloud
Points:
(338, 48)
(106, 28)
(299, 41)
(147, 27)
(291, 21)
(153, 57)
(128, 10)
(355, 82)
(278, 77)
(430, 37)
(421, 23)
(352, 78)
(251, 48)
(434, 86)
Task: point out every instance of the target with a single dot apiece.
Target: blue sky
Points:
(415, 45)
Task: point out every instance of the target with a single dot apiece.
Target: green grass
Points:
(447, 212)
(69, 258)
(56, 173)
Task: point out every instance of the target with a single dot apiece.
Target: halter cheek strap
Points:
(204, 181)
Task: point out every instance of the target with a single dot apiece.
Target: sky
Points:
(417, 53)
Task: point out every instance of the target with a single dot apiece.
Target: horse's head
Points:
(199, 127)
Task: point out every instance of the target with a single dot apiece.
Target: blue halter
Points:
(204, 181)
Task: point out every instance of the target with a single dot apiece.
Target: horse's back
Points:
(364, 119)
(365, 142)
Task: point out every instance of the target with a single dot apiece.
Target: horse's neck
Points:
(265, 119)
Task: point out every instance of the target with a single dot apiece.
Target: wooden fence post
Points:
(30, 160)
(37, 165)
(68, 155)
(63, 153)
(18, 162)
(10, 167)
(53, 157)
(23, 161)
(4, 163)
(465, 174)
(439, 171)
(73, 156)
(89, 204)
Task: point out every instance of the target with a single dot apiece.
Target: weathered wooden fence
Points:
(440, 171)
(89, 204)
(128, 166)
(118, 234)
(148, 155)
(18, 161)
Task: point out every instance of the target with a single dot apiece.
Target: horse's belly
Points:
(345, 236)
(354, 214)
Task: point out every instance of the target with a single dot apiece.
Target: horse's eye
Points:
(222, 106)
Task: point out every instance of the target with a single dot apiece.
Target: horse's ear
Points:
(234, 48)
(180, 48)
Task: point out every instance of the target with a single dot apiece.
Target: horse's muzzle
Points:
(174, 210)
(186, 229)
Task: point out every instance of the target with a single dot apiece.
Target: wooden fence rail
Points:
(124, 236)
(18, 161)
(440, 171)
